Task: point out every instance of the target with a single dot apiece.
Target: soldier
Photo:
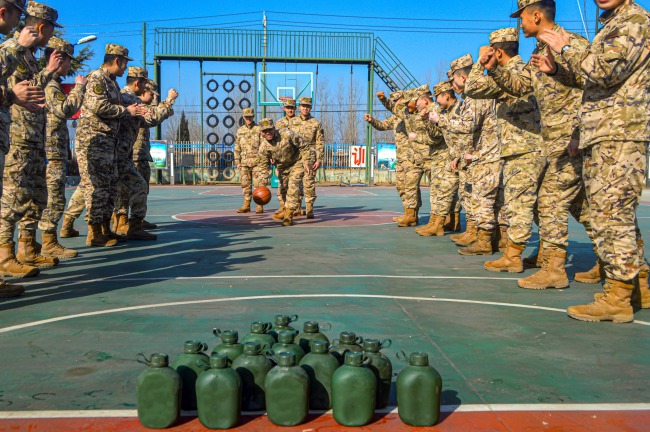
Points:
(285, 123)
(561, 190)
(285, 149)
(96, 141)
(311, 133)
(615, 131)
(25, 190)
(520, 132)
(478, 120)
(59, 109)
(247, 148)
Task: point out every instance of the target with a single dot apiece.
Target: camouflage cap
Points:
(118, 50)
(395, 96)
(521, 5)
(422, 91)
(152, 87)
(450, 74)
(137, 72)
(462, 62)
(508, 34)
(248, 112)
(20, 4)
(266, 124)
(44, 12)
(442, 87)
(290, 103)
(409, 95)
(61, 45)
(305, 101)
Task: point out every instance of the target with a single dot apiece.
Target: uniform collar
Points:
(513, 60)
(252, 125)
(305, 118)
(107, 73)
(542, 45)
(607, 16)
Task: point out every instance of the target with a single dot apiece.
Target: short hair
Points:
(109, 59)
(510, 48)
(132, 80)
(464, 71)
(451, 94)
(546, 7)
(32, 21)
(10, 6)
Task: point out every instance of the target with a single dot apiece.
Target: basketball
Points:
(262, 195)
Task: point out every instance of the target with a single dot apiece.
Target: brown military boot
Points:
(552, 274)
(510, 261)
(246, 207)
(148, 225)
(470, 230)
(8, 290)
(432, 219)
(615, 305)
(409, 220)
(503, 239)
(122, 225)
(259, 210)
(433, 228)
(397, 218)
(137, 233)
(452, 222)
(470, 236)
(9, 265)
(114, 221)
(482, 245)
(27, 254)
(67, 229)
(52, 247)
(310, 211)
(593, 276)
(641, 296)
(106, 230)
(535, 261)
(288, 217)
(97, 238)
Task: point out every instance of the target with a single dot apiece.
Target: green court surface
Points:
(70, 343)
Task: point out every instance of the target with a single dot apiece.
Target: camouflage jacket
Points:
(518, 119)
(615, 74)
(458, 144)
(284, 150)
(10, 53)
(284, 123)
(157, 114)
(59, 109)
(311, 132)
(102, 110)
(428, 141)
(247, 145)
(401, 137)
(558, 103)
(477, 119)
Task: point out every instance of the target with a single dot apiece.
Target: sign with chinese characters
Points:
(158, 151)
(357, 156)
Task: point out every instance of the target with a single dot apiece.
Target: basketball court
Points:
(511, 359)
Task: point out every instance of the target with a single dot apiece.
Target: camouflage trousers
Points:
(413, 173)
(144, 169)
(291, 179)
(561, 192)
(55, 177)
(615, 173)
(444, 187)
(399, 178)
(465, 192)
(130, 192)
(98, 174)
(24, 194)
(486, 178)
(77, 203)
(521, 175)
(499, 204)
(250, 178)
(2, 168)
(309, 181)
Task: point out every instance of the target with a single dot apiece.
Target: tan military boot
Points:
(96, 237)
(503, 239)
(122, 225)
(552, 274)
(67, 229)
(510, 261)
(52, 247)
(434, 227)
(409, 220)
(148, 225)
(246, 207)
(397, 218)
(106, 230)
(452, 222)
(288, 217)
(432, 220)
(27, 254)
(259, 210)
(310, 211)
(137, 233)
(640, 296)
(593, 276)
(470, 230)
(615, 305)
(470, 236)
(114, 221)
(482, 245)
(536, 260)
(8, 290)
(9, 265)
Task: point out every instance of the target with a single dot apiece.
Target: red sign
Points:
(358, 156)
(67, 88)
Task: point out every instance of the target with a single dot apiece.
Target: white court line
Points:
(469, 408)
(275, 297)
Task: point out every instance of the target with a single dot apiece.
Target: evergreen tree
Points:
(183, 133)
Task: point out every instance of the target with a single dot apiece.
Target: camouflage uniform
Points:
(288, 153)
(401, 141)
(247, 148)
(311, 132)
(284, 123)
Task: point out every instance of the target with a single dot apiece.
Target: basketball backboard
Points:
(274, 87)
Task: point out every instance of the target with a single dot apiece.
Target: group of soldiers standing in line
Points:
(112, 145)
(566, 132)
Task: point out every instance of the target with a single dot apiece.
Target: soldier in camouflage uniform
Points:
(289, 107)
(25, 190)
(247, 148)
(615, 132)
(561, 189)
(59, 109)
(291, 157)
(311, 133)
(478, 120)
(520, 131)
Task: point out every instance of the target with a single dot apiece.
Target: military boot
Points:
(641, 296)
(409, 220)
(67, 229)
(259, 210)
(432, 219)
(503, 239)
(122, 225)
(471, 235)
(452, 222)
(52, 247)
(28, 255)
(510, 261)
(106, 230)
(310, 210)
(137, 233)
(593, 276)
(552, 274)
(114, 221)
(148, 225)
(482, 245)
(246, 207)
(288, 217)
(470, 231)
(434, 227)
(280, 215)
(615, 305)
(535, 261)
(397, 218)
(96, 237)
(9, 265)
(8, 290)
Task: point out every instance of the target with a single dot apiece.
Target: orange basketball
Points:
(262, 195)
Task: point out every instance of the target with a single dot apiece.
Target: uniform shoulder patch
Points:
(22, 68)
(60, 96)
(98, 89)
